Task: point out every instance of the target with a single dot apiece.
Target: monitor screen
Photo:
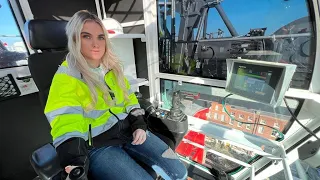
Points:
(255, 81)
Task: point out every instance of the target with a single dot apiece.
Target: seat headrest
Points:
(46, 34)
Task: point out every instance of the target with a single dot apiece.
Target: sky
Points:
(7, 23)
(246, 14)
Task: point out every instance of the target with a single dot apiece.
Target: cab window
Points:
(13, 50)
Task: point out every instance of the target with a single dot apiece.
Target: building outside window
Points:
(276, 125)
(215, 117)
(274, 133)
(222, 118)
(231, 121)
(260, 129)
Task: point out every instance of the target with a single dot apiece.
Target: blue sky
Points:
(7, 23)
(246, 14)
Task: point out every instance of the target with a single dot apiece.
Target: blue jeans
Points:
(116, 162)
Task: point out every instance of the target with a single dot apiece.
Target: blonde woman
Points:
(96, 119)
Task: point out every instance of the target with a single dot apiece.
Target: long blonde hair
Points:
(108, 61)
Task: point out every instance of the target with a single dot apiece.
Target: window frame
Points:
(217, 108)
(223, 118)
(216, 116)
(262, 129)
(231, 122)
(248, 125)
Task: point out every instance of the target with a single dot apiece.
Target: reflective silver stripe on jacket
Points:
(94, 114)
(64, 110)
(129, 108)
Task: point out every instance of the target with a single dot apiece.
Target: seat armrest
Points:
(45, 162)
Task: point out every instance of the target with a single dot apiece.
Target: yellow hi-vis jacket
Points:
(69, 99)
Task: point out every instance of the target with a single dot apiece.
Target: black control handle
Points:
(78, 173)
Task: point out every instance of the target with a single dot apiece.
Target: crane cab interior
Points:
(231, 85)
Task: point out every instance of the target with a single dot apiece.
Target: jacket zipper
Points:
(90, 140)
(90, 137)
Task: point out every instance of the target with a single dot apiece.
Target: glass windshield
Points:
(13, 51)
(236, 112)
(198, 39)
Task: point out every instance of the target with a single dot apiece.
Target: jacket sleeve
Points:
(68, 126)
(73, 152)
(136, 118)
(132, 102)
(136, 114)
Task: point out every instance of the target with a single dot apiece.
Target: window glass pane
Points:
(260, 34)
(260, 129)
(13, 51)
(212, 160)
(201, 101)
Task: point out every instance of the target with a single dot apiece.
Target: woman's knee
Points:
(181, 173)
(175, 171)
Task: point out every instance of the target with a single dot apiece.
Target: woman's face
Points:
(93, 43)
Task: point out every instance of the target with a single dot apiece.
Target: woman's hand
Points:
(139, 136)
(68, 169)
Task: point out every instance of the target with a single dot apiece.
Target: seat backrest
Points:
(49, 36)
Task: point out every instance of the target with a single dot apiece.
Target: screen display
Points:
(254, 81)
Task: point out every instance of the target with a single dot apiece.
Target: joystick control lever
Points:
(175, 112)
(77, 173)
